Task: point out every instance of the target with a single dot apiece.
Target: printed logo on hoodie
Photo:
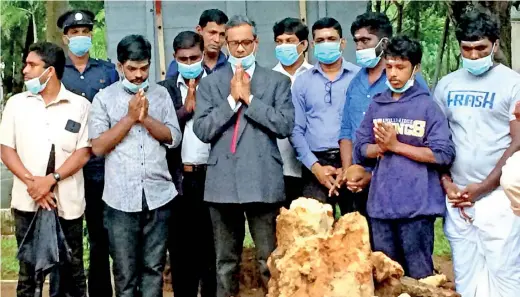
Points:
(408, 127)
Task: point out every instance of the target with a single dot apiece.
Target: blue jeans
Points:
(137, 244)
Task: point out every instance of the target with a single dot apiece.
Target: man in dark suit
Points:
(192, 253)
(241, 110)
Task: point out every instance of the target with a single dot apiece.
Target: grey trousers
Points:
(228, 230)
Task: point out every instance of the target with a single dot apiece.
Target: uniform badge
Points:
(78, 16)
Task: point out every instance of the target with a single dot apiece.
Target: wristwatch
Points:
(56, 176)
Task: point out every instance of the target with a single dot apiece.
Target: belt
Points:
(327, 153)
(194, 168)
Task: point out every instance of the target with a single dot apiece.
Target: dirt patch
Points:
(444, 265)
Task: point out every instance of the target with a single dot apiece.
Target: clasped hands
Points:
(39, 188)
(241, 85)
(138, 107)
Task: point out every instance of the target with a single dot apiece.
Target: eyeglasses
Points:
(245, 43)
(328, 92)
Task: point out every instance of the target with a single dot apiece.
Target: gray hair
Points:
(239, 20)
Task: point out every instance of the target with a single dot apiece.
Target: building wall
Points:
(515, 45)
(137, 17)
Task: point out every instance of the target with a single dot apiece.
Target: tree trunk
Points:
(369, 5)
(378, 5)
(502, 11)
(440, 51)
(400, 9)
(53, 11)
(416, 20)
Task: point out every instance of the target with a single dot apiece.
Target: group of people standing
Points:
(181, 164)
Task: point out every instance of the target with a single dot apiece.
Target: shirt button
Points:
(82, 77)
(368, 96)
(82, 94)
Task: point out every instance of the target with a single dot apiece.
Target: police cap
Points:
(76, 18)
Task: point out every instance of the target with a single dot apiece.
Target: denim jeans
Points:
(137, 244)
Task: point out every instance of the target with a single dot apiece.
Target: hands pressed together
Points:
(138, 107)
(241, 85)
(386, 137)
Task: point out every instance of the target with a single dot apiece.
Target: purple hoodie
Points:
(400, 187)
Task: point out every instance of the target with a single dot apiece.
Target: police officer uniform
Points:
(97, 75)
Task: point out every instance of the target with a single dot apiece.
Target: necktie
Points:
(237, 125)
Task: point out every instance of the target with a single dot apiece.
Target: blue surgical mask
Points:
(34, 85)
(406, 86)
(327, 52)
(287, 54)
(133, 88)
(80, 45)
(367, 57)
(246, 62)
(190, 71)
(478, 66)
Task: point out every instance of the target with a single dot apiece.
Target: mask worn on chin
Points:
(80, 45)
(246, 62)
(34, 85)
(479, 66)
(190, 71)
(406, 86)
(133, 88)
(367, 58)
(287, 54)
(327, 52)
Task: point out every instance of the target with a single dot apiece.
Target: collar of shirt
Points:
(182, 83)
(221, 61)
(345, 66)
(90, 62)
(304, 67)
(62, 96)
(250, 70)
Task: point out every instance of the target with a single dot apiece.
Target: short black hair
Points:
(134, 48)
(186, 40)
(325, 23)
(405, 48)
(51, 54)
(476, 25)
(376, 23)
(212, 15)
(291, 26)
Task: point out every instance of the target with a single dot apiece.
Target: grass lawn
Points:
(10, 263)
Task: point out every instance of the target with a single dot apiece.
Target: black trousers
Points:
(191, 247)
(67, 279)
(99, 278)
(347, 201)
(137, 244)
(293, 189)
(229, 230)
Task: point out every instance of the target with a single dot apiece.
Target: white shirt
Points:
(236, 105)
(291, 165)
(193, 151)
(31, 127)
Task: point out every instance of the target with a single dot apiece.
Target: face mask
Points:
(367, 57)
(246, 62)
(406, 86)
(133, 88)
(327, 52)
(34, 86)
(478, 66)
(287, 54)
(80, 45)
(190, 71)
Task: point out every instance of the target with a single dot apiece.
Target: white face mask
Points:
(34, 85)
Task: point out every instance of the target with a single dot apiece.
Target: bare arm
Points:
(74, 163)
(373, 151)
(107, 141)
(11, 159)
(492, 181)
(345, 148)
